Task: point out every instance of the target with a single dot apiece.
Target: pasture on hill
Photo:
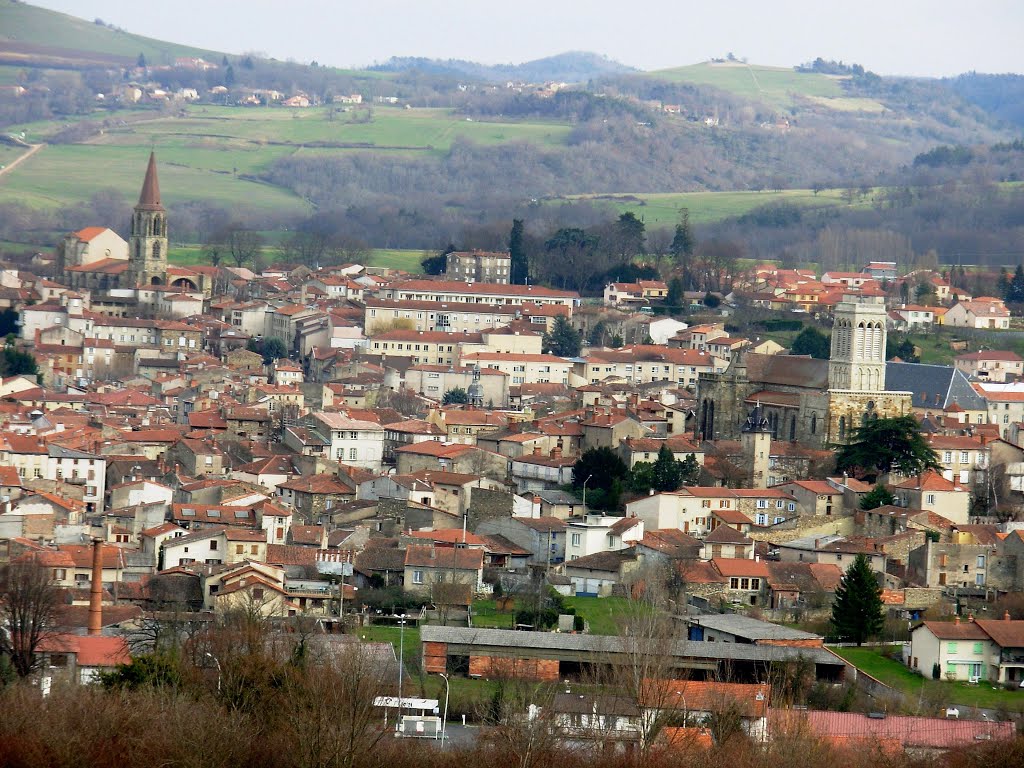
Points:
(780, 87)
(213, 154)
(663, 209)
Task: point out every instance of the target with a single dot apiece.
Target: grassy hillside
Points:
(663, 209)
(211, 153)
(780, 87)
(26, 29)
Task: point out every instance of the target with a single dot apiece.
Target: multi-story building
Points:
(352, 441)
(478, 266)
(643, 364)
(455, 317)
(476, 293)
(991, 365)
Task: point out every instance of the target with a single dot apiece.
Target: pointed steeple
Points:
(149, 198)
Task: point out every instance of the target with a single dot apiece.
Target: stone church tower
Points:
(756, 439)
(857, 361)
(856, 368)
(147, 245)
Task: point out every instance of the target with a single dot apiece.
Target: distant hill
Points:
(1000, 95)
(32, 35)
(570, 67)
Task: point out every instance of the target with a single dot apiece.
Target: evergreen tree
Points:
(857, 610)
(1003, 282)
(711, 301)
(456, 395)
(674, 300)
(141, 61)
(683, 242)
(564, 340)
(602, 465)
(880, 446)
(668, 473)
(811, 341)
(229, 76)
(1015, 292)
(518, 266)
(690, 470)
(877, 497)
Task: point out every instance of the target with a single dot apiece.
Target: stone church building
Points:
(814, 402)
(97, 259)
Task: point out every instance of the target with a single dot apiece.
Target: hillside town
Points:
(518, 482)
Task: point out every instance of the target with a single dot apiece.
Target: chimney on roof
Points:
(536, 450)
(1006, 615)
(970, 617)
(556, 452)
(96, 589)
(956, 621)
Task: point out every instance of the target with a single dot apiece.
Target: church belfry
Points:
(147, 246)
(857, 361)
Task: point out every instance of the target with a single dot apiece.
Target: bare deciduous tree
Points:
(29, 602)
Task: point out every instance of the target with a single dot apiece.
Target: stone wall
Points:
(486, 504)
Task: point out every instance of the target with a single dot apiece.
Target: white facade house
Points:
(594, 533)
(352, 441)
(689, 509)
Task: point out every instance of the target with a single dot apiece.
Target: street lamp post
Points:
(444, 716)
(585, 493)
(217, 662)
(401, 664)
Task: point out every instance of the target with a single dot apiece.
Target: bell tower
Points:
(857, 361)
(147, 245)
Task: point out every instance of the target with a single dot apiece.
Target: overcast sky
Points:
(912, 37)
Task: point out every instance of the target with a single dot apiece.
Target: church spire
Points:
(149, 198)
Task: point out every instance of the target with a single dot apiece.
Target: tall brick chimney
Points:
(96, 591)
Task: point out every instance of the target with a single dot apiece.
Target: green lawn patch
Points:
(875, 662)
(662, 209)
(602, 614)
(397, 258)
(486, 614)
(408, 640)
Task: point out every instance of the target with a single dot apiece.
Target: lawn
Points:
(663, 209)
(602, 614)
(408, 640)
(897, 676)
(393, 258)
(486, 614)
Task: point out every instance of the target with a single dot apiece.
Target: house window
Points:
(239, 549)
(762, 519)
(417, 577)
(981, 561)
(979, 579)
(952, 647)
(762, 503)
(744, 583)
(213, 544)
(576, 538)
(706, 504)
(352, 453)
(947, 457)
(930, 498)
(755, 583)
(734, 583)
(964, 457)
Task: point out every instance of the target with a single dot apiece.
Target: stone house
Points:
(430, 569)
(314, 495)
(932, 492)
